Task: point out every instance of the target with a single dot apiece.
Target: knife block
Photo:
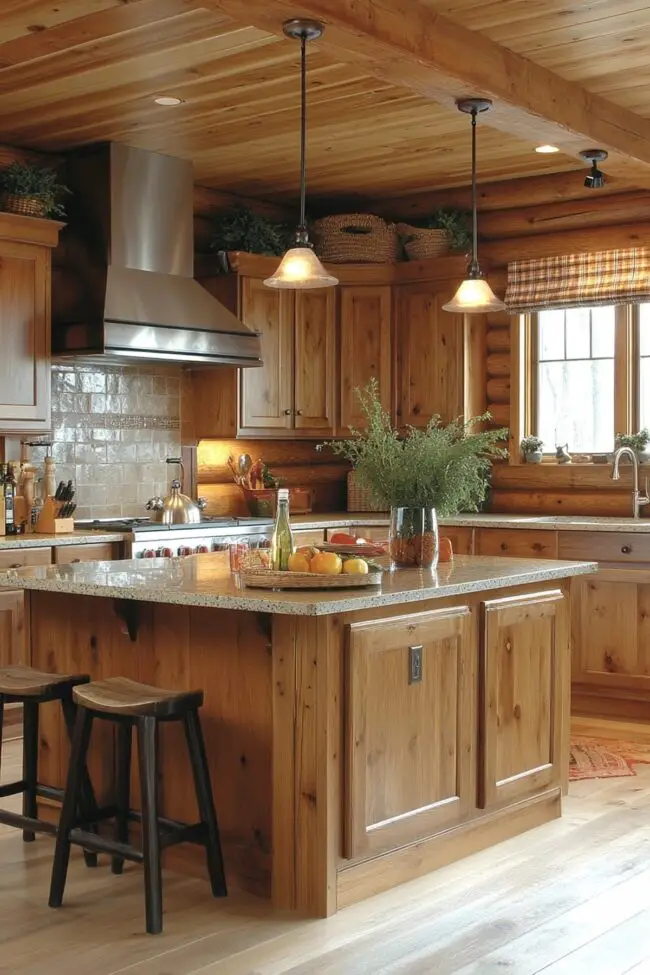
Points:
(48, 521)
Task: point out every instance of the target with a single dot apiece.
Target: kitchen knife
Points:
(59, 491)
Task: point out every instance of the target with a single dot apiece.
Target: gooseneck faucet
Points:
(638, 499)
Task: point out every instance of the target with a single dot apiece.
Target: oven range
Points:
(147, 540)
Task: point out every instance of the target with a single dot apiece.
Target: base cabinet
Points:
(12, 627)
(411, 728)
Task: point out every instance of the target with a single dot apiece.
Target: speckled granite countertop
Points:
(549, 522)
(205, 580)
(74, 538)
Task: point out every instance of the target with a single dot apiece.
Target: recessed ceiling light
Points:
(167, 100)
(546, 149)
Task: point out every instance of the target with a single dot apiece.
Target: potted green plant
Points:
(443, 231)
(241, 229)
(32, 191)
(532, 449)
(638, 442)
(425, 473)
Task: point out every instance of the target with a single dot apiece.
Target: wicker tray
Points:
(268, 579)
(356, 238)
(370, 550)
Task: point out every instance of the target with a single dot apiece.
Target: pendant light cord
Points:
(302, 228)
(474, 266)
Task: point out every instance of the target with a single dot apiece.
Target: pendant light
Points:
(474, 296)
(300, 269)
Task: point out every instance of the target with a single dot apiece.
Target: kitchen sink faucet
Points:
(638, 499)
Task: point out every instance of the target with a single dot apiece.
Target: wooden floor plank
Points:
(570, 898)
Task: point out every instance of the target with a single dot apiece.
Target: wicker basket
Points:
(360, 499)
(27, 206)
(356, 238)
(421, 243)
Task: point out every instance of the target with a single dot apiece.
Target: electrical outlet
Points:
(415, 664)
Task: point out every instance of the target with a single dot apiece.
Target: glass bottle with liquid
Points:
(282, 540)
(9, 494)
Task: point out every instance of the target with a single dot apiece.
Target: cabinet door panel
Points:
(410, 743)
(525, 651)
(462, 539)
(611, 629)
(100, 552)
(267, 392)
(25, 332)
(12, 627)
(365, 348)
(17, 558)
(315, 338)
(430, 348)
(516, 543)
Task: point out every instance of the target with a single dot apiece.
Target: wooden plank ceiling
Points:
(82, 71)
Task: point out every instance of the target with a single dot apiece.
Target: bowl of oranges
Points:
(310, 568)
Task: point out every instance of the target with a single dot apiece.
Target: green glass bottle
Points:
(282, 540)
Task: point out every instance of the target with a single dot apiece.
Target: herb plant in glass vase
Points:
(420, 475)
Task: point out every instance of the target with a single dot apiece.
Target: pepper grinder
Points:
(49, 477)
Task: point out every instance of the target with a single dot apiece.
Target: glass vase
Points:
(413, 538)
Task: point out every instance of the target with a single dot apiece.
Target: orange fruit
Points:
(307, 550)
(326, 563)
(445, 549)
(356, 567)
(298, 562)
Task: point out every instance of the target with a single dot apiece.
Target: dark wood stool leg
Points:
(205, 801)
(88, 804)
(148, 761)
(122, 788)
(71, 800)
(30, 764)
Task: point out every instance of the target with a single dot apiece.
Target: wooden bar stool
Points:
(31, 688)
(129, 704)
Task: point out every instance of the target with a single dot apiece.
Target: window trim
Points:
(627, 365)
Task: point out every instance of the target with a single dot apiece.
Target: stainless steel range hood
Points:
(129, 255)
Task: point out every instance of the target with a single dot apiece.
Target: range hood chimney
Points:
(129, 250)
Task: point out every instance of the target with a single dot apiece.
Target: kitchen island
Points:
(356, 739)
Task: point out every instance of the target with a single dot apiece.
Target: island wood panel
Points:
(429, 344)
(267, 392)
(410, 762)
(524, 704)
(516, 543)
(226, 654)
(12, 627)
(365, 329)
(315, 362)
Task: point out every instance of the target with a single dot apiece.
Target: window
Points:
(644, 367)
(573, 398)
(589, 371)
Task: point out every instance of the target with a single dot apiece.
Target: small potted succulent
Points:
(32, 191)
(420, 475)
(532, 449)
(638, 442)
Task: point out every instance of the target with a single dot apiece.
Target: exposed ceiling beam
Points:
(410, 45)
(507, 194)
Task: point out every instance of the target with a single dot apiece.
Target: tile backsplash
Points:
(112, 429)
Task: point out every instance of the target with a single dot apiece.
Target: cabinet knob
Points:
(298, 412)
(504, 546)
(287, 412)
(626, 549)
(74, 560)
(16, 565)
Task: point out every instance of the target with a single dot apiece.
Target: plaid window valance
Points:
(598, 278)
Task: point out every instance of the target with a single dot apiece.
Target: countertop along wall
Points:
(113, 427)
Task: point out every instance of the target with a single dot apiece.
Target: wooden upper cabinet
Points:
(315, 361)
(411, 728)
(25, 262)
(365, 348)
(430, 345)
(525, 669)
(293, 393)
(267, 403)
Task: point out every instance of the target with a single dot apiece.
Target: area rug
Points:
(600, 758)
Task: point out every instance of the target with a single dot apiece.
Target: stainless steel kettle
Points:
(176, 508)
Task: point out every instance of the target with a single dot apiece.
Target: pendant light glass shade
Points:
(300, 269)
(474, 296)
